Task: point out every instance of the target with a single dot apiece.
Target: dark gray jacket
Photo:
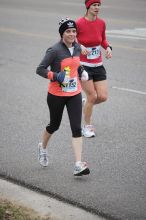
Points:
(54, 56)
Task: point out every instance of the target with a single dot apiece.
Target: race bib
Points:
(69, 85)
(94, 52)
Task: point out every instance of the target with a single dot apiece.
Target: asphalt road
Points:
(116, 187)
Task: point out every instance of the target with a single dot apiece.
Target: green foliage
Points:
(11, 211)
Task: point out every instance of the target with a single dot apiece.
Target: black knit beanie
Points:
(66, 24)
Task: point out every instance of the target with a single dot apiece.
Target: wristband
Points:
(110, 47)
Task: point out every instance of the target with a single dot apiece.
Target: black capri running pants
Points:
(56, 106)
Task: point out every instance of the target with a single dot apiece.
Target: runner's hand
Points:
(84, 50)
(59, 77)
(108, 53)
(83, 75)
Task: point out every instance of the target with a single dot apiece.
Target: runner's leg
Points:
(74, 108)
(101, 88)
(88, 88)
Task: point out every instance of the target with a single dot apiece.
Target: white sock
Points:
(77, 163)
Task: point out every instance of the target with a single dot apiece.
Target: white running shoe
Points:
(42, 155)
(88, 131)
(81, 169)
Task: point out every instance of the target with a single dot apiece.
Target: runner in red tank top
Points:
(91, 35)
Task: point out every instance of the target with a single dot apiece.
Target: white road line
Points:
(136, 33)
(126, 36)
(129, 90)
